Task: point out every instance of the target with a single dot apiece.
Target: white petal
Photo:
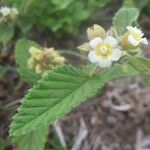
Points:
(116, 54)
(142, 34)
(92, 57)
(144, 40)
(14, 11)
(110, 40)
(129, 28)
(104, 63)
(135, 29)
(94, 42)
(133, 41)
(5, 11)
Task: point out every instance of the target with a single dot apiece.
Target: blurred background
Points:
(116, 119)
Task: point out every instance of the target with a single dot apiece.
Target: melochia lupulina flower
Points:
(104, 51)
(92, 32)
(133, 38)
(44, 60)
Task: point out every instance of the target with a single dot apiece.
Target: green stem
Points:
(71, 52)
(93, 70)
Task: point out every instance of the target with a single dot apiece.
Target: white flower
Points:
(5, 11)
(135, 36)
(14, 11)
(103, 52)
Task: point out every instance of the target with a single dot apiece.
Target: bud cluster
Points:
(44, 60)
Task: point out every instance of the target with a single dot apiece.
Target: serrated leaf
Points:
(141, 64)
(58, 93)
(22, 56)
(34, 140)
(6, 33)
(125, 17)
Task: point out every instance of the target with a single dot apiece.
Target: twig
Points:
(15, 102)
(70, 52)
(81, 135)
(59, 132)
(125, 107)
(139, 135)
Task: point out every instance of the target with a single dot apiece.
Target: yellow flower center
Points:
(104, 51)
(136, 36)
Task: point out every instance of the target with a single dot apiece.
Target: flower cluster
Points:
(106, 47)
(44, 60)
(7, 14)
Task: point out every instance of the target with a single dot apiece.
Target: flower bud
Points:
(36, 53)
(95, 31)
(30, 63)
(84, 47)
(112, 32)
(125, 42)
(58, 60)
(38, 69)
(133, 38)
(44, 60)
(50, 52)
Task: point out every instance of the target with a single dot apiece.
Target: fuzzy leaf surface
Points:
(58, 93)
(125, 17)
(142, 65)
(6, 34)
(34, 140)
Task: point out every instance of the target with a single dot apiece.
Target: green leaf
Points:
(3, 70)
(125, 17)
(25, 25)
(141, 4)
(34, 140)
(22, 56)
(141, 64)
(58, 93)
(6, 33)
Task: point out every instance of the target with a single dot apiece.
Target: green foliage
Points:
(2, 72)
(4, 144)
(147, 8)
(125, 17)
(58, 93)
(140, 4)
(97, 3)
(136, 3)
(141, 64)
(24, 25)
(22, 56)
(34, 140)
(57, 15)
(6, 33)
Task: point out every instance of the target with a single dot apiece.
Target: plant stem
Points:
(93, 70)
(71, 52)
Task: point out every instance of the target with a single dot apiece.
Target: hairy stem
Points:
(71, 52)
